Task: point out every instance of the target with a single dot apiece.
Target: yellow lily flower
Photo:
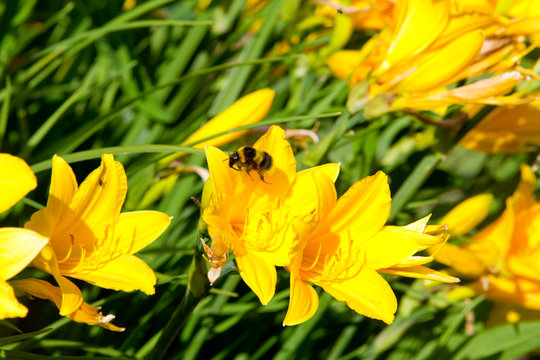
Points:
(293, 220)
(89, 239)
(349, 246)
(243, 213)
(18, 247)
(508, 128)
(503, 258)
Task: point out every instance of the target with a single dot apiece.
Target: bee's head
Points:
(234, 159)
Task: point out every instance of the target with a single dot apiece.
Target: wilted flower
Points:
(503, 258)
(294, 220)
(18, 247)
(89, 239)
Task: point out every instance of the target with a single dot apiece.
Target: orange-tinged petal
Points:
(303, 302)
(420, 272)
(485, 91)
(463, 261)
(16, 180)
(126, 273)
(468, 214)
(393, 244)
(523, 197)
(247, 110)
(506, 129)
(135, 230)
(85, 313)
(418, 24)
(9, 306)
(436, 71)
(363, 209)
(516, 291)
(367, 294)
(71, 294)
(18, 247)
(258, 274)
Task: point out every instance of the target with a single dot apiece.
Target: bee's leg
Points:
(261, 176)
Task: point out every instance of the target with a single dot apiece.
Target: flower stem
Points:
(196, 290)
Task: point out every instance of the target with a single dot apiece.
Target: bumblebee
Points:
(250, 159)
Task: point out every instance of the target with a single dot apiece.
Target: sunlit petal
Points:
(126, 273)
(468, 214)
(367, 293)
(135, 230)
(9, 306)
(18, 247)
(303, 302)
(16, 180)
(258, 274)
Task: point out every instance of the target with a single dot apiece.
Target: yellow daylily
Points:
(294, 220)
(243, 212)
(503, 258)
(508, 128)
(349, 246)
(18, 247)
(89, 239)
(406, 65)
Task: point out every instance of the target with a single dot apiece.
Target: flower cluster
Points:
(295, 220)
(79, 234)
(502, 259)
(429, 45)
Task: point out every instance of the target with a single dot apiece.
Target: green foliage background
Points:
(80, 78)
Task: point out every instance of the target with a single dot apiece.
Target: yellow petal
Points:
(16, 180)
(247, 110)
(258, 274)
(344, 62)
(135, 230)
(101, 195)
(421, 272)
(284, 163)
(219, 169)
(523, 197)
(367, 294)
(463, 261)
(363, 209)
(468, 214)
(18, 247)
(418, 24)
(515, 291)
(313, 188)
(303, 302)
(506, 129)
(9, 306)
(393, 244)
(63, 188)
(126, 273)
(85, 313)
(436, 71)
(71, 294)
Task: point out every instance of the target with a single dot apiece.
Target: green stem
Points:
(197, 289)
